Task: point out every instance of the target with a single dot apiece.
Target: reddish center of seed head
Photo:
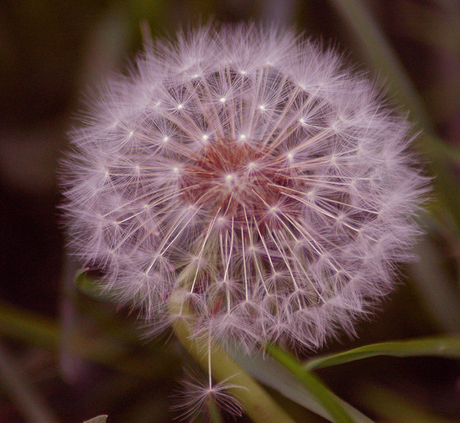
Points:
(243, 183)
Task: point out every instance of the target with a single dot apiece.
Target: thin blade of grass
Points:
(33, 329)
(381, 57)
(271, 373)
(317, 389)
(27, 399)
(446, 347)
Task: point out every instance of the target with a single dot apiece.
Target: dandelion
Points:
(251, 172)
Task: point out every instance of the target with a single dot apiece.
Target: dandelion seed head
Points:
(253, 172)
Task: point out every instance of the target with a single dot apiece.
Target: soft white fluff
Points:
(249, 170)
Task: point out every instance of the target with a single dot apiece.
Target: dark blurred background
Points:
(50, 52)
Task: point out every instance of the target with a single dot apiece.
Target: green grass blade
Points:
(446, 347)
(271, 373)
(318, 390)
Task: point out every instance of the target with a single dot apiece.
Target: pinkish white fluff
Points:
(249, 170)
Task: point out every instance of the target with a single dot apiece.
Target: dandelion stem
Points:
(209, 359)
(258, 405)
(214, 413)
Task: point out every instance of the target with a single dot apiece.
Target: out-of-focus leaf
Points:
(447, 347)
(36, 330)
(28, 327)
(273, 374)
(437, 26)
(98, 419)
(28, 400)
(443, 95)
(90, 286)
(381, 57)
(387, 405)
(437, 285)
